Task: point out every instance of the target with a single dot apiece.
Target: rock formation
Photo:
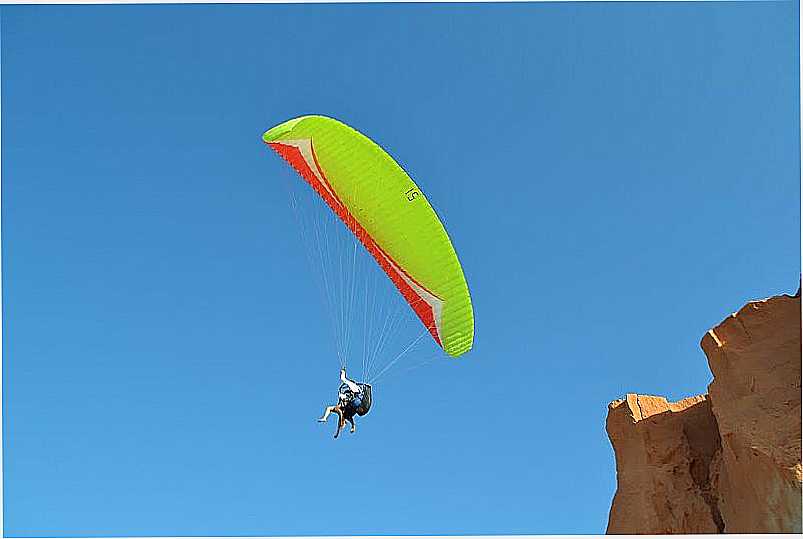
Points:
(728, 461)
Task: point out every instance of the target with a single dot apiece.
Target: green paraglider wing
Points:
(389, 215)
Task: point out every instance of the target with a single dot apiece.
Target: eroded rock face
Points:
(664, 453)
(755, 357)
(729, 461)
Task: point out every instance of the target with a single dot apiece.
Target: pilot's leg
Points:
(327, 412)
(341, 421)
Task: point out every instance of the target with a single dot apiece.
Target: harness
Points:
(357, 403)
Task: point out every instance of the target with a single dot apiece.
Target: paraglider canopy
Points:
(390, 216)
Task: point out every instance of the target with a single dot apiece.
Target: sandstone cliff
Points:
(728, 461)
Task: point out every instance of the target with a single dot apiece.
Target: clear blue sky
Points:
(617, 178)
